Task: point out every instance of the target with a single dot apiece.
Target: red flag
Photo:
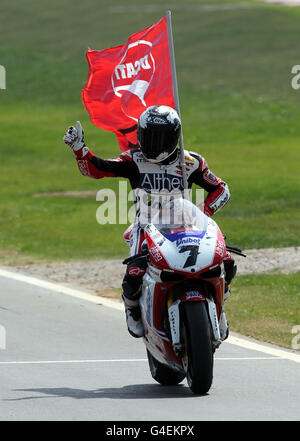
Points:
(124, 80)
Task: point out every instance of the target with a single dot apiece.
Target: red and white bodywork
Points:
(185, 265)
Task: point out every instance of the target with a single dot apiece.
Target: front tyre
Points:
(162, 373)
(198, 358)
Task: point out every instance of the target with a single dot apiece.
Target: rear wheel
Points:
(162, 373)
(198, 359)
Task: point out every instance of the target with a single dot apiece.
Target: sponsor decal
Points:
(188, 240)
(220, 248)
(84, 167)
(184, 234)
(178, 170)
(154, 272)
(149, 229)
(160, 243)
(193, 295)
(189, 164)
(220, 202)
(132, 65)
(159, 181)
(190, 159)
(156, 236)
(155, 254)
(136, 271)
(174, 323)
(149, 307)
(210, 177)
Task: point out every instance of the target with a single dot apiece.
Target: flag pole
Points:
(176, 98)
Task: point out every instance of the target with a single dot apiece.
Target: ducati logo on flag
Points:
(124, 80)
(130, 68)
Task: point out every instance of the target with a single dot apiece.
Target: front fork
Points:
(175, 324)
(174, 320)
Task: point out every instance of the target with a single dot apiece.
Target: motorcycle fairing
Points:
(186, 254)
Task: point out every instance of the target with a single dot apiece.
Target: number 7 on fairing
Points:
(192, 257)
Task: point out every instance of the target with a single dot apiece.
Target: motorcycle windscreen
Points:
(180, 217)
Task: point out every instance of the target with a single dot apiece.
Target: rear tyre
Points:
(162, 373)
(198, 358)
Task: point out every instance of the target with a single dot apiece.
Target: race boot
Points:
(133, 317)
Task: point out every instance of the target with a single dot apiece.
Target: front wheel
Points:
(198, 359)
(162, 373)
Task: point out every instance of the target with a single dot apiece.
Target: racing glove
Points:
(74, 138)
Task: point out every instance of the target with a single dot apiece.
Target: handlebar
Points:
(235, 250)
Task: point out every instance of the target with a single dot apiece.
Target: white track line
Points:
(61, 289)
(237, 341)
(124, 360)
(271, 350)
(130, 360)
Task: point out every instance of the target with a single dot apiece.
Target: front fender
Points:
(196, 296)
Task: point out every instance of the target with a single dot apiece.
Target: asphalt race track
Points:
(71, 358)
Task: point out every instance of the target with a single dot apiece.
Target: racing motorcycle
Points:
(182, 295)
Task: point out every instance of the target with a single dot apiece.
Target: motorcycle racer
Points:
(153, 166)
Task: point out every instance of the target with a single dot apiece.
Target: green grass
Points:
(265, 307)
(237, 104)
(262, 306)
(238, 110)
